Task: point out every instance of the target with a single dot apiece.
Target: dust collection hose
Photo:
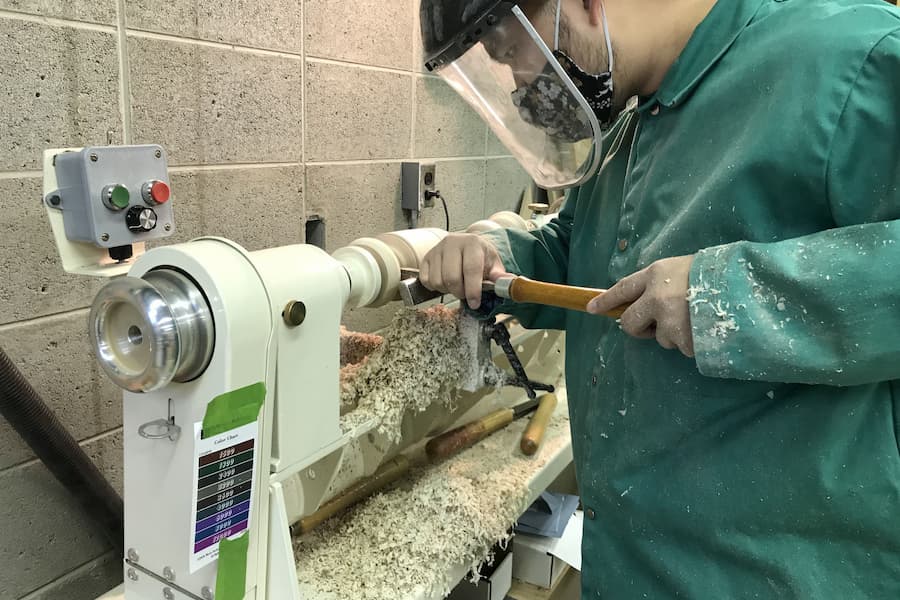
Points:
(26, 411)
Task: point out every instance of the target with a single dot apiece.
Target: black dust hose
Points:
(21, 405)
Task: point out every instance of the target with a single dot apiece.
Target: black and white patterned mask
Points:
(545, 102)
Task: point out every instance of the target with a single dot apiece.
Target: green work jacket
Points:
(768, 466)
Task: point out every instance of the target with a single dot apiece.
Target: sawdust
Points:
(355, 351)
(422, 360)
(356, 347)
(406, 541)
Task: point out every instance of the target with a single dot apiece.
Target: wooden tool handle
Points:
(387, 474)
(534, 433)
(449, 443)
(523, 289)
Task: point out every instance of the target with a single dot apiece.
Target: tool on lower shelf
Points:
(386, 475)
(534, 433)
(449, 443)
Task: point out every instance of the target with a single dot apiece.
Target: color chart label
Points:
(223, 490)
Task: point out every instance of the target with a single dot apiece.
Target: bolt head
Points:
(105, 237)
(132, 553)
(132, 575)
(158, 154)
(168, 227)
(294, 313)
(94, 157)
(168, 594)
(168, 573)
(311, 474)
(206, 593)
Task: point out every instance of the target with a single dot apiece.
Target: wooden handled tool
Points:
(387, 474)
(534, 433)
(449, 443)
(522, 289)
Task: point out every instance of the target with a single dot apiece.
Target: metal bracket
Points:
(161, 428)
(500, 334)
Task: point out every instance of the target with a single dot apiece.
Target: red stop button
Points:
(160, 192)
(156, 192)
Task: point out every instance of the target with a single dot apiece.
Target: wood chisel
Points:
(537, 427)
(386, 475)
(515, 288)
(449, 443)
(524, 290)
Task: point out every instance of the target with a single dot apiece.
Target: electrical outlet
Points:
(417, 179)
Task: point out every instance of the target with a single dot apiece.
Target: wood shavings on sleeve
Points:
(421, 360)
(405, 542)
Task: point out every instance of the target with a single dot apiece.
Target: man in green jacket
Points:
(736, 434)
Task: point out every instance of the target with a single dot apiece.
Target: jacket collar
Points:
(712, 38)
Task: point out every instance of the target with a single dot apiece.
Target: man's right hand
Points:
(459, 264)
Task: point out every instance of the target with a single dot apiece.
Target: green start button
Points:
(116, 197)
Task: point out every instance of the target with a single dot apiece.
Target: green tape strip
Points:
(231, 578)
(234, 409)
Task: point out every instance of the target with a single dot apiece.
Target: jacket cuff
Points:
(715, 320)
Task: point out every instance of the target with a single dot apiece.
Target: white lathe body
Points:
(203, 334)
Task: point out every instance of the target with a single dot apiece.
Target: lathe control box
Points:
(113, 196)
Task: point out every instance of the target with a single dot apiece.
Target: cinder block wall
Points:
(270, 110)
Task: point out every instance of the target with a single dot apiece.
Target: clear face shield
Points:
(517, 85)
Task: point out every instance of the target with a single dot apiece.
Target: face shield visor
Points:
(505, 71)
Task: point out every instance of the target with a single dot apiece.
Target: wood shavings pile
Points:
(406, 542)
(355, 351)
(422, 360)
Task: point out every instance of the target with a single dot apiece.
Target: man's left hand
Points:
(659, 297)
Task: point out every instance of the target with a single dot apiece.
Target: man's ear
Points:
(593, 7)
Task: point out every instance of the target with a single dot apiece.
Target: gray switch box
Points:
(416, 180)
(104, 193)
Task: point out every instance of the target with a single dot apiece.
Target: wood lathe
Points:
(232, 404)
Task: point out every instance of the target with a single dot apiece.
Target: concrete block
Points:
(370, 32)
(445, 125)
(55, 356)
(60, 89)
(99, 11)
(461, 183)
(88, 581)
(107, 453)
(355, 113)
(211, 105)
(495, 147)
(257, 208)
(32, 281)
(269, 24)
(45, 531)
(356, 201)
(505, 181)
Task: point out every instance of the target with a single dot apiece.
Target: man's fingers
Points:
(627, 290)
(496, 272)
(662, 338)
(431, 273)
(639, 320)
(473, 262)
(451, 271)
(424, 273)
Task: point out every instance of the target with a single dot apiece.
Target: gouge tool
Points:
(448, 444)
(516, 288)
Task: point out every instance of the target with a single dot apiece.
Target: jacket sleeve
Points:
(543, 255)
(825, 308)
